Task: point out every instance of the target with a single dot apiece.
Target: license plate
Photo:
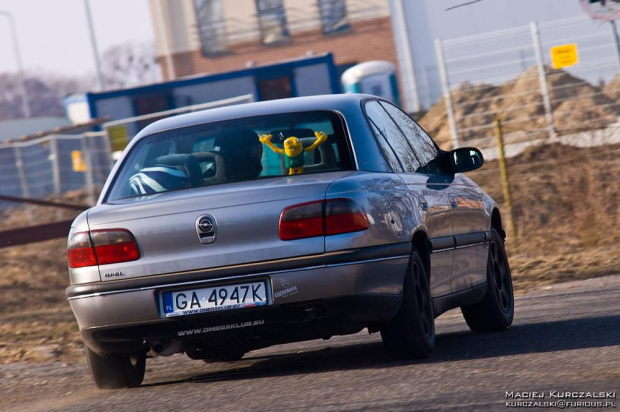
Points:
(214, 299)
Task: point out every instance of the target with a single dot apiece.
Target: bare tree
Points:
(125, 65)
(129, 65)
(45, 93)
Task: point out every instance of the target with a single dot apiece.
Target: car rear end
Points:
(172, 261)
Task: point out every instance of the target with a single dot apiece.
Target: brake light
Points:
(101, 247)
(114, 246)
(321, 218)
(344, 216)
(80, 252)
(302, 221)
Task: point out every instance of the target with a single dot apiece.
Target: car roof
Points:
(336, 102)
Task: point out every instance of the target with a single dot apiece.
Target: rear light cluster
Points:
(101, 247)
(321, 218)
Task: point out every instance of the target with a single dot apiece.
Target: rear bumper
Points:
(254, 328)
(357, 287)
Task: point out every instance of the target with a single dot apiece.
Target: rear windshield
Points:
(234, 151)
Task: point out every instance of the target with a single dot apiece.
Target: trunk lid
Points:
(245, 216)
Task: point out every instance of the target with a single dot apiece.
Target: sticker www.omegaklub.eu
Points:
(219, 328)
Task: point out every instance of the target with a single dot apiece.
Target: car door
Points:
(466, 210)
(470, 223)
(428, 193)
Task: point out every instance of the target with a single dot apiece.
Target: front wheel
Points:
(411, 333)
(116, 370)
(496, 310)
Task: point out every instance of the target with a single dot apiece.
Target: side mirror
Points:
(466, 159)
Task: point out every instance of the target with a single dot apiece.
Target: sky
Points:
(53, 35)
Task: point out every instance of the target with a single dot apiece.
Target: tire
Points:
(117, 370)
(411, 333)
(495, 312)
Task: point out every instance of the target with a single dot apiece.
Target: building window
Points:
(333, 16)
(147, 104)
(272, 21)
(278, 88)
(211, 26)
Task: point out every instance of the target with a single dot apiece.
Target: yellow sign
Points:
(564, 56)
(79, 165)
(118, 137)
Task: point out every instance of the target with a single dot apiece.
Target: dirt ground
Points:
(566, 214)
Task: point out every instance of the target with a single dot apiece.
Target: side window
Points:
(387, 128)
(385, 148)
(421, 143)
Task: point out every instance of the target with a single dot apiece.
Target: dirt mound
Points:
(435, 122)
(565, 202)
(577, 105)
(564, 197)
(612, 89)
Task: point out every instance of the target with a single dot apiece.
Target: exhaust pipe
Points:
(165, 347)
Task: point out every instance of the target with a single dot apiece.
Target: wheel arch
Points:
(421, 243)
(496, 223)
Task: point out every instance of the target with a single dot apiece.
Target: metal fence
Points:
(508, 74)
(53, 165)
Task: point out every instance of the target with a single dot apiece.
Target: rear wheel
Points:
(411, 333)
(496, 311)
(116, 370)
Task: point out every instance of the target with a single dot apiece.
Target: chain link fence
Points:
(53, 165)
(509, 75)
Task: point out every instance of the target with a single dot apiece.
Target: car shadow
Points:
(520, 339)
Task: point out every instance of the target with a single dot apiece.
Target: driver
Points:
(242, 153)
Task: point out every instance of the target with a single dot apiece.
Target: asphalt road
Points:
(565, 338)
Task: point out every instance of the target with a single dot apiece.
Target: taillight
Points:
(80, 252)
(114, 246)
(101, 247)
(344, 216)
(321, 218)
(301, 221)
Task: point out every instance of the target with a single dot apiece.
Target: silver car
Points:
(237, 228)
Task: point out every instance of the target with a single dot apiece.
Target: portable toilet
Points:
(376, 77)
